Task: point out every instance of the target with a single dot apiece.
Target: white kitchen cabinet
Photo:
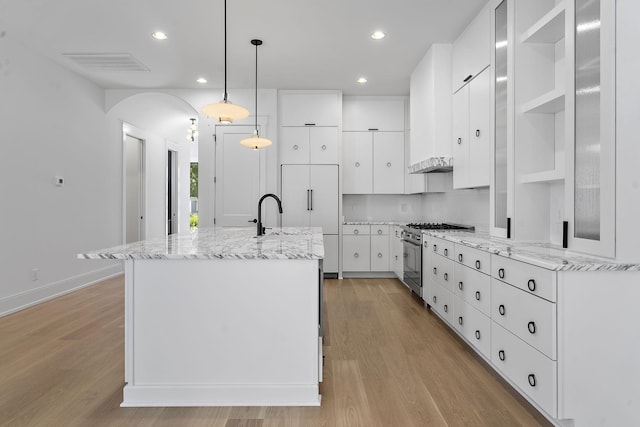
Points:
(380, 252)
(471, 51)
(430, 105)
(373, 162)
(331, 253)
(310, 108)
(363, 113)
(427, 293)
(310, 198)
(472, 129)
(395, 241)
(309, 145)
(473, 325)
(473, 287)
(442, 302)
(356, 248)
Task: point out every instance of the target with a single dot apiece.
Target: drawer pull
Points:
(501, 355)
(435, 248)
(388, 164)
(459, 141)
(426, 245)
(477, 133)
(477, 295)
(446, 252)
(477, 334)
(379, 254)
(379, 231)
(460, 285)
(435, 270)
(357, 164)
(501, 310)
(532, 327)
(356, 231)
(531, 284)
(356, 255)
(435, 299)
(501, 273)
(460, 257)
(446, 308)
(446, 277)
(460, 320)
(477, 264)
(324, 147)
(532, 380)
(295, 147)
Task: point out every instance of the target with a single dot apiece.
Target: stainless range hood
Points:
(432, 165)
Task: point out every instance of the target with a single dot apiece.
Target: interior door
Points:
(323, 196)
(172, 192)
(295, 195)
(134, 188)
(239, 177)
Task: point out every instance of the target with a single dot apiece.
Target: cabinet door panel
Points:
(331, 248)
(323, 198)
(471, 51)
(479, 131)
(357, 164)
(355, 253)
(388, 162)
(379, 253)
(303, 108)
(381, 114)
(323, 145)
(295, 206)
(294, 145)
(474, 287)
(461, 137)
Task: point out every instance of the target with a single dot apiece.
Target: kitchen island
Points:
(219, 317)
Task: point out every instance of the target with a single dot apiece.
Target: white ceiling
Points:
(308, 44)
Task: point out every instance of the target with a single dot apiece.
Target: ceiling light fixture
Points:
(255, 141)
(201, 80)
(362, 80)
(192, 132)
(377, 35)
(225, 111)
(159, 35)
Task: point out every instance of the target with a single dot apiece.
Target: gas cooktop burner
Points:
(439, 226)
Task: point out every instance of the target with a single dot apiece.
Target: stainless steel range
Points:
(412, 250)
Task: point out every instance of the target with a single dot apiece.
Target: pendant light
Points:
(256, 141)
(225, 111)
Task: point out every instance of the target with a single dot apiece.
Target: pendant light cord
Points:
(257, 89)
(225, 51)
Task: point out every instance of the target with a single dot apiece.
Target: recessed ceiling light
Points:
(377, 35)
(362, 80)
(159, 35)
(201, 80)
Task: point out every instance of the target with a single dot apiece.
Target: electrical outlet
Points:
(35, 274)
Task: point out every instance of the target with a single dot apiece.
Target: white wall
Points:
(382, 207)
(469, 207)
(52, 122)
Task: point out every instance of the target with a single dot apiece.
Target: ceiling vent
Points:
(106, 61)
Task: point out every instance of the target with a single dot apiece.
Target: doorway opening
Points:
(172, 192)
(134, 189)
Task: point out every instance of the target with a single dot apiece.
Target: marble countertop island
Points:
(222, 243)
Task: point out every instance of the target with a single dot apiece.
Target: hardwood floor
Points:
(388, 362)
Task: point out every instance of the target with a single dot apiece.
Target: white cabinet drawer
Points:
(531, 371)
(356, 253)
(356, 230)
(473, 325)
(442, 247)
(379, 230)
(473, 287)
(531, 318)
(442, 271)
(474, 258)
(530, 278)
(442, 302)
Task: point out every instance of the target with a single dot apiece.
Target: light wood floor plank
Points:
(388, 362)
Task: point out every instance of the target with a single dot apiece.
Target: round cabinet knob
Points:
(478, 133)
(379, 231)
(477, 295)
(356, 231)
(426, 245)
(477, 334)
(477, 264)
(459, 141)
(501, 273)
(460, 320)
(501, 310)
(501, 355)
(532, 380)
(459, 257)
(531, 284)
(460, 285)
(446, 277)
(388, 164)
(446, 308)
(295, 147)
(396, 257)
(434, 299)
(435, 248)
(356, 255)
(324, 147)
(531, 326)
(357, 164)
(446, 252)
(379, 255)
(435, 270)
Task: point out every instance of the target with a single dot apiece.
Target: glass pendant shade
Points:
(256, 142)
(225, 111)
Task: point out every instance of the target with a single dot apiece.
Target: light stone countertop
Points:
(374, 222)
(223, 243)
(542, 255)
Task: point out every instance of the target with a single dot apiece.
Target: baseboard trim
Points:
(26, 299)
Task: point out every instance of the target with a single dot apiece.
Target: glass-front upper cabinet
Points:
(590, 200)
(502, 118)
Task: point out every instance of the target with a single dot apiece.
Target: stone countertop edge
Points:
(222, 243)
(373, 222)
(545, 255)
